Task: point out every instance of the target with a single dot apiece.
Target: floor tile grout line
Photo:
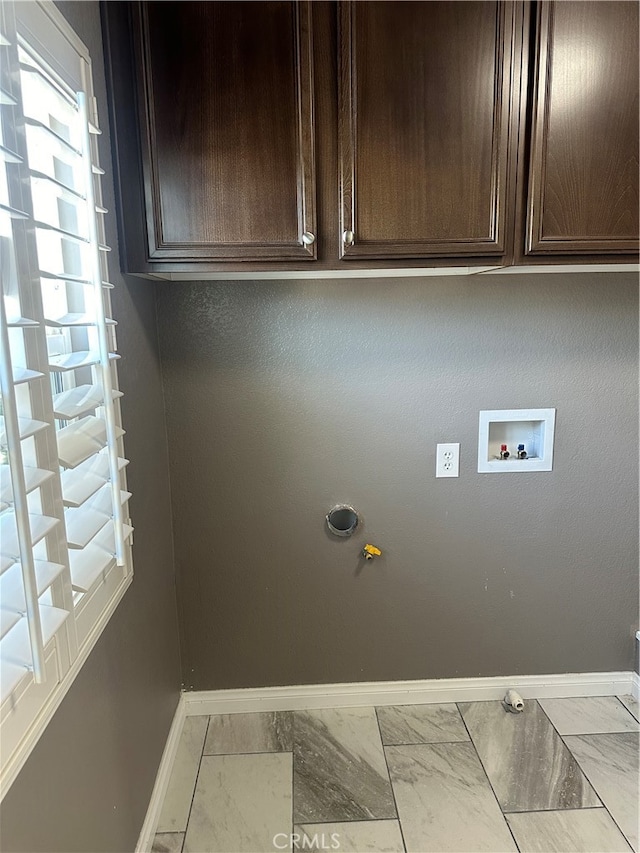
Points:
(195, 784)
(349, 820)
(294, 717)
(257, 752)
(586, 776)
(393, 791)
(291, 823)
(484, 770)
(628, 710)
(426, 742)
(560, 811)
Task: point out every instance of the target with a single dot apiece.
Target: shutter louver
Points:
(64, 532)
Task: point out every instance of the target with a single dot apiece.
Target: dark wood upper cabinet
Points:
(428, 122)
(583, 167)
(226, 117)
(292, 135)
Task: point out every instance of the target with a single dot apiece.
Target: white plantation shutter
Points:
(65, 535)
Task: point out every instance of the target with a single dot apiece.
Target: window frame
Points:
(26, 712)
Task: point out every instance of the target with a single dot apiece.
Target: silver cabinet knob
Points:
(348, 238)
(308, 238)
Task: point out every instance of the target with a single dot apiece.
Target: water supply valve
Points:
(370, 551)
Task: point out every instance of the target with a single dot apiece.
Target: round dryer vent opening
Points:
(342, 520)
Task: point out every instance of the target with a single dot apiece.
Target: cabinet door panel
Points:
(583, 183)
(428, 122)
(228, 115)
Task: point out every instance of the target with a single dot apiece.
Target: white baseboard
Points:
(307, 696)
(635, 686)
(148, 831)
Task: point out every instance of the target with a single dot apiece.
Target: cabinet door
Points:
(583, 181)
(226, 95)
(428, 114)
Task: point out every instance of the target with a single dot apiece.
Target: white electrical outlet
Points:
(447, 460)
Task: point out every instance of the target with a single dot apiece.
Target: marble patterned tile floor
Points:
(561, 777)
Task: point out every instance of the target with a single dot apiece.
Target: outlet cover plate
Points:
(448, 460)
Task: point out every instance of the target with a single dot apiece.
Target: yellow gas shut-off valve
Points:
(370, 551)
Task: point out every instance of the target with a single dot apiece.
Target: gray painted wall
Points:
(86, 786)
(284, 398)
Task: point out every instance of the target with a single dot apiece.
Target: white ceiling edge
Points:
(406, 272)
